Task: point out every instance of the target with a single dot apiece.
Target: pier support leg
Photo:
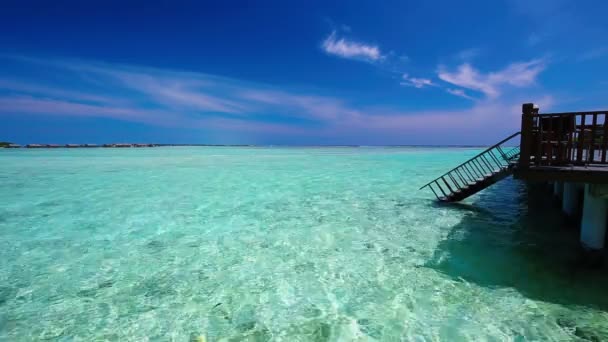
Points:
(558, 189)
(571, 199)
(593, 227)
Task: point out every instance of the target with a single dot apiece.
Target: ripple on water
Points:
(280, 245)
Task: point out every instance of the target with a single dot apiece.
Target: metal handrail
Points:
(472, 159)
(512, 153)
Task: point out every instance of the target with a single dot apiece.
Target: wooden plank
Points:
(545, 174)
(537, 143)
(571, 132)
(560, 136)
(581, 140)
(605, 138)
(577, 113)
(549, 141)
(527, 138)
(592, 140)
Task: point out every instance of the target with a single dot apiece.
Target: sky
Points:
(294, 73)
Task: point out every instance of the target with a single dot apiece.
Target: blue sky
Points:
(276, 72)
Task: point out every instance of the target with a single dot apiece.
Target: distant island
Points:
(6, 144)
(11, 145)
(114, 145)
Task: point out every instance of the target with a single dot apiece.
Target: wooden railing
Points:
(577, 138)
(492, 159)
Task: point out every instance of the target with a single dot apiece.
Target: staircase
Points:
(490, 166)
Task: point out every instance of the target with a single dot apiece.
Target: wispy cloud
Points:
(459, 92)
(232, 107)
(312, 107)
(53, 92)
(467, 77)
(350, 49)
(416, 82)
(516, 74)
(42, 106)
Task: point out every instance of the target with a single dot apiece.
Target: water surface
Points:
(281, 244)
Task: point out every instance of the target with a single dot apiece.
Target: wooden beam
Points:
(562, 175)
(527, 122)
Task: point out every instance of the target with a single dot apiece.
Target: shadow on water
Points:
(463, 207)
(515, 238)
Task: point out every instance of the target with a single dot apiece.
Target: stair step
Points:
(480, 169)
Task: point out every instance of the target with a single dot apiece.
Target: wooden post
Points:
(525, 145)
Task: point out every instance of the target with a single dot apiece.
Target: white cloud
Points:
(350, 49)
(416, 82)
(516, 74)
(458, 92)
(467, 77)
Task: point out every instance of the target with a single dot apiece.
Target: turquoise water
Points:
(281, 244)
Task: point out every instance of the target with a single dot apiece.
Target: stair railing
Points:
(483, 165)
(512, 154)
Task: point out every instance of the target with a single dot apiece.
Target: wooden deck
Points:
(593, 173)
(569, 147)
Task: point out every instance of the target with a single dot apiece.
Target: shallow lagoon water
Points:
(281, 244)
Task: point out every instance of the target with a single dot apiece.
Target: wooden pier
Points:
(567, 150)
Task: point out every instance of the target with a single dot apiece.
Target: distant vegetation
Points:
(4, 143)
